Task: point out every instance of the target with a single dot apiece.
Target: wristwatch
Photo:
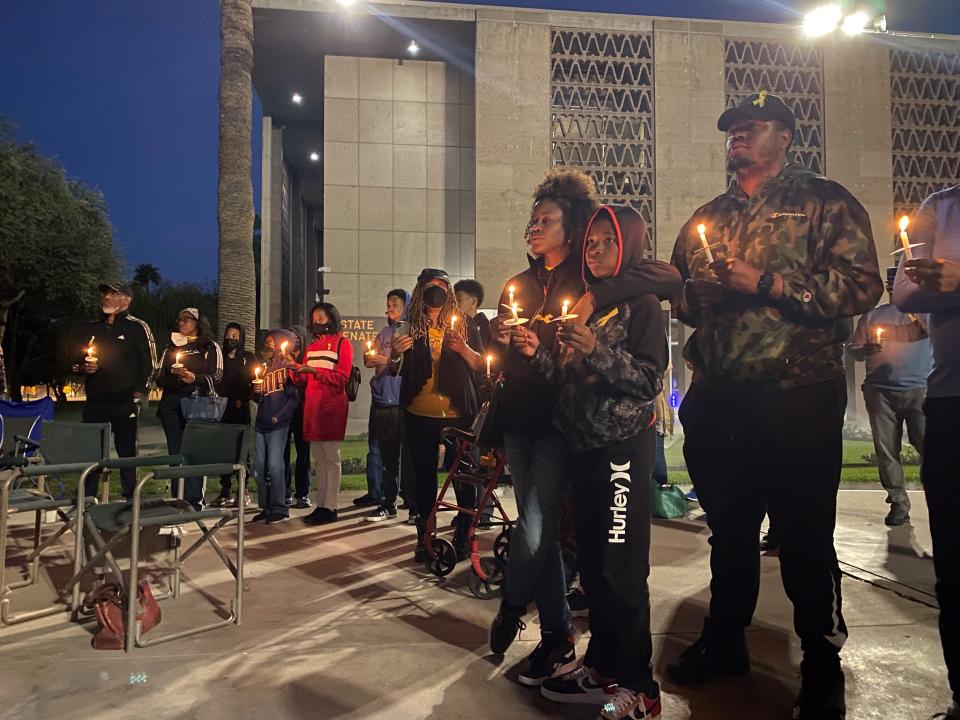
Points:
(765, 284)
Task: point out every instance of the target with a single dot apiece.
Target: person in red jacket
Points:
(324, 376)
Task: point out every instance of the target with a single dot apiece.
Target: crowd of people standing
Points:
(789, 260)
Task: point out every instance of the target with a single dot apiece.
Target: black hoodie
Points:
(527, 400)
(237, 371)
(609, 396)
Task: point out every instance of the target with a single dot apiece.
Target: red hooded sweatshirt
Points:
(325, 397)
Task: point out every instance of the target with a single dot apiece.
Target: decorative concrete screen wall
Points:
(795, 73)
(601, 110)
(925, 125)
(398, 177)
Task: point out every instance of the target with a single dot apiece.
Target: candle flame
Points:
(904, 222)
(453, 322)
(90, 351)
(879, 335)
(283, 347)
(701, 228)
(178, 357)
(256, 372)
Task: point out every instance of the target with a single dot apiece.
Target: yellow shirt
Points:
(429, 403)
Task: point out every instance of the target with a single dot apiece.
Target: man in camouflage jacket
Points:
(791, 259)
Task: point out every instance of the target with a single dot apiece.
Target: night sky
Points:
(124, 94)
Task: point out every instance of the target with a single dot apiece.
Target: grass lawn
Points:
(855, 469)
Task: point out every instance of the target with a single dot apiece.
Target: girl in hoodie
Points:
(299, 478)
(200, 363)
(238, 372)
(278, 397)
(610, 372)
(323, 377)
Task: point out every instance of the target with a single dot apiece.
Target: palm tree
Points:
(237, 288)
(146, 275)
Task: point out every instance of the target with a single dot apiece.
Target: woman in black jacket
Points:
(238, 373)
(437, 358)
(192, 361)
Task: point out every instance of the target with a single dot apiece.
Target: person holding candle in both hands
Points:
(438, 388)
(930, 283)
(190, 363)
(610, 373)
(538, 455)
(896, 348)
(763, 417)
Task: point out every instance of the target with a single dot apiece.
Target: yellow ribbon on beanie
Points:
(761, 100)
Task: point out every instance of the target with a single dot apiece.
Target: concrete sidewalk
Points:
(340, 623)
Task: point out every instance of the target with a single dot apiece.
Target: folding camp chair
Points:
(20, 421)
(64, 448)
(208, 449)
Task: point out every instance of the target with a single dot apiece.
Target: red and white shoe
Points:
(630, 705)
(581, 685)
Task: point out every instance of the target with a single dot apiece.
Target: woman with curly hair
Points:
(437, 359)
(562, 207)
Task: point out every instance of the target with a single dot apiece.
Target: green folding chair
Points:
(208, 449)
(64, 448)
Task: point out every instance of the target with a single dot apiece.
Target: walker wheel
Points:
(444, 558)
(501, 546)
(488, 588)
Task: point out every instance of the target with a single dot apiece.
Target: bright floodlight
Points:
(314, 157)
(346, 3)
(822, 21)
(296, 98)
(855, 23)
(413, 48)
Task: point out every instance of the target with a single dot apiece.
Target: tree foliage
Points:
(56, 246)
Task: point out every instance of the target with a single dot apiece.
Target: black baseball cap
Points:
(759, 106)
(116, 287)
(428, 274)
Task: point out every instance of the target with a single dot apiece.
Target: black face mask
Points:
(435, 296)
(321, 329)
(231, 344)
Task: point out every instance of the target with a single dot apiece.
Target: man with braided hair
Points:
(436, 359)
(562, 207)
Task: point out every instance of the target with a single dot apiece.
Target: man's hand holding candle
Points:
(524, 341)
(579, 337)
(934, 276)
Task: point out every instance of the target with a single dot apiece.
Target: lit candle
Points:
(702, 231)
(453, 323)
(566, 306)
(257, 380)
(510, 291)
(369, 347)
(283, 347)
(513, 309)
(489, 360)
(905, 239)
(176, 363)
(91, 358)
(879, 335)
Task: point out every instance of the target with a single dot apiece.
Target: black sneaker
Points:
(366, 501)
(275, 518)
(578, 603)
(302, 503)
(384, 512)
(579, 686)
(821, 697)
(770, 543)
(288, 501)
(321, 516)
(898, 515)
(708, 656)
(554, 655)
(505, 626)
(262, 515)
(420, 554)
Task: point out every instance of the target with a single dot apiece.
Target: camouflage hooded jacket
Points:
(817, 236)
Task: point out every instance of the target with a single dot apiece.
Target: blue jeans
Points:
(268, 467)
(374, 463)
(535, 569)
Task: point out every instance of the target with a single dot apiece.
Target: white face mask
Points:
(178, 339)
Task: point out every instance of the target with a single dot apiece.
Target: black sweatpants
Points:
(745, 453)
(422, 437)
(941, 485)
(387, 428)
(299, 474)
(173, 424)
(122, 416)
(611, 494)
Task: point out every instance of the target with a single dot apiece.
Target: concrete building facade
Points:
(501, 95)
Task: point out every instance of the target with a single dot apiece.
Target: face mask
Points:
(321, 329)
(231, 344)
(435, 296)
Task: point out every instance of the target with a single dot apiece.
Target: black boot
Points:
(713, 654)
(822, 691)
(461, 537)
(505, 626)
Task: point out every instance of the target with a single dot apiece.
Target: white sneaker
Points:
(630, 705)
(579, 686)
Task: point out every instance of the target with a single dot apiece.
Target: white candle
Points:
(91, 358)
(369, 347)
(283, 347)
(566, 306)
(453, 323)
(176, 362)
(702, 230)
(879, 335)
(513, 309)
(510, 291)
(489, 360)
(905, 239)
(256, 376)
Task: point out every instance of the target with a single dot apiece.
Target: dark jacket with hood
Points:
(202, 357)
(526, 403)
(278, 396)
(237, 371)
(385, 386)
(610, 396)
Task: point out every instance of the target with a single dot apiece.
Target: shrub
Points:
(908, 456)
